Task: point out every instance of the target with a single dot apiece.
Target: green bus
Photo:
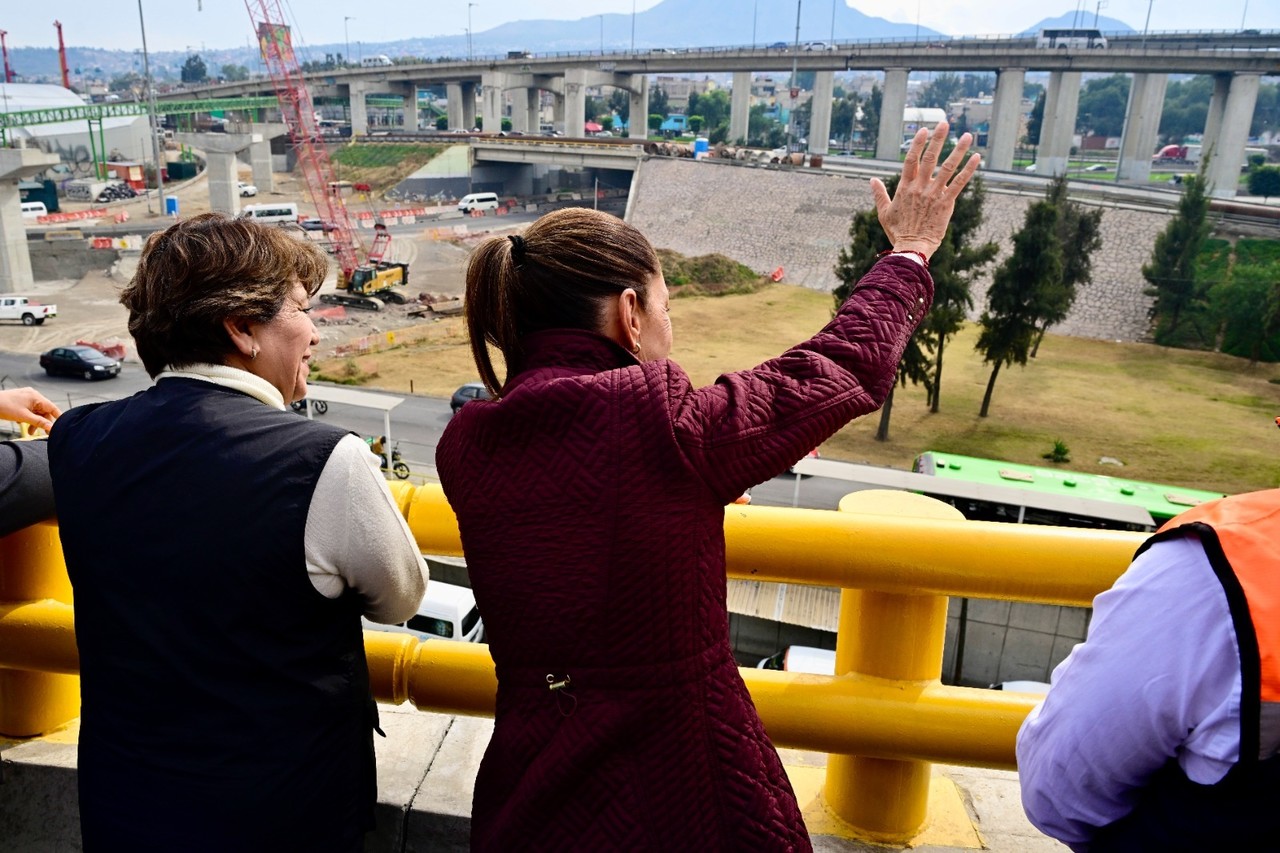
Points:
(1058, 494)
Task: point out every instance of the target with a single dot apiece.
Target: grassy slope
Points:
(1172, 416)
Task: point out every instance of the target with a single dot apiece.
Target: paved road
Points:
(416, 424)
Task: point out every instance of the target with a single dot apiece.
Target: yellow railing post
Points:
(896, 637)
(32, 569)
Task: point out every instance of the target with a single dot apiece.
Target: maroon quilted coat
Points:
(591, 503)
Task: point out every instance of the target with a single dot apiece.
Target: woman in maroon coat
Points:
(590, 493)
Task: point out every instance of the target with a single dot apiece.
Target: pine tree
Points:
(1014, 301)
(1172, 272)
(1079, 235)
(952, 266)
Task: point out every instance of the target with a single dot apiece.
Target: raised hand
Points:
(29, 406)
(916, 218)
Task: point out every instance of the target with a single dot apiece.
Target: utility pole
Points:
(794, 89)
(151, 110)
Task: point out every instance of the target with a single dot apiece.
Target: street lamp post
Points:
(794, 88)
(633, 26)
(346, 39)
(469, 7)
(1147, 23)
(1097, 11)
(601, 17)
(151, 110)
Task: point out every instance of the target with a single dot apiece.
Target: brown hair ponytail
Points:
(554, 276)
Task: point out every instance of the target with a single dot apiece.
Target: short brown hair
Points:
(554, 276)
(195, 274)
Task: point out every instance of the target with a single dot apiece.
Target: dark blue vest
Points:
(226, 703)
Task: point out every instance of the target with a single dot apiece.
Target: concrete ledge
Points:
(427, 767)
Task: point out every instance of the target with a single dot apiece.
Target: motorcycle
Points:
(398, 466)
(317, 406)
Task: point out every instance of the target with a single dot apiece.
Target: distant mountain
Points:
(1082, 20)
(670, 24)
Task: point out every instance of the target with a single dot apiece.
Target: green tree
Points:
(844, 114)
(1080, 235)
(977, 85)
(866, 241)
(1248, 307)
(953, 267)
(1013, 300)
(193, 70)
(595, 108)
(129, 82)
(1034, 122)
(658, 101)
(804, 80)
(442, 123)
(234, 73)
(696, 123)
(1031, 91)
(1264, 181)
(1186, 107)
(871, 116)
(655, 121)
(620, 104)
(763, 130)
(713, 106)
(1171, 271)
(1102, 106)
(941, 91)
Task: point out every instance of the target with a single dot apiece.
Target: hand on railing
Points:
(28, 406)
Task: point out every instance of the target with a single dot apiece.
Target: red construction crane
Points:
(4, 48)
(62, 56)
(367, 283)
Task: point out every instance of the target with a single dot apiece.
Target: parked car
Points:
(467, 393)
(802, 659)
(247, 189)
(79, 361)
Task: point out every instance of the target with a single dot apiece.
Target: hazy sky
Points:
(178, 24)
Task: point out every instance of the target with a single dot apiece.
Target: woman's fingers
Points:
(912, 165)
(959, 182)
(936, 140)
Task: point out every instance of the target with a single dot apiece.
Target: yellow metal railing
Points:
(896, 556)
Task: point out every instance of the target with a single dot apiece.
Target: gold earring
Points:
(253, 356)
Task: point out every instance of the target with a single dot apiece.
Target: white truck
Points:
(22, 308)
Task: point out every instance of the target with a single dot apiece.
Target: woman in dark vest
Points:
(222, 550)
(590, 494)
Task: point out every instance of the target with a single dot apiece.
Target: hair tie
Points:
(517, 245)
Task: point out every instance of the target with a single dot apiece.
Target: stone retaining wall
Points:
(798, 219)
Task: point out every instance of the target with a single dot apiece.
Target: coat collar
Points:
(573, 351)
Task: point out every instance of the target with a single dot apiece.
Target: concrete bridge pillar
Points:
(17, 164)
(220, 150)
(358, 109)
(893, 100)
(1006, 119)
(575, 101)
(1233, 133)
(260, 154)
(492, 86)
(1141, 125)
(740, 107)
(453, 106)
(1213, 119)
(820, 114)
(1059, 124)
(638, 107)
(468, 106)
(520, 109)
(409, 91)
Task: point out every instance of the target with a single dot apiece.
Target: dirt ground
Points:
(89, 309)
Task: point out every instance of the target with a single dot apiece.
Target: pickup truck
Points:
(21, 308)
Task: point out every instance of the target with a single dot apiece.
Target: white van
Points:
(447, 613)
(33, 209)
(802, 659)
(478, 201)
(376, 61)
(277, 213)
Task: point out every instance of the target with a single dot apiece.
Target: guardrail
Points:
(897, 556)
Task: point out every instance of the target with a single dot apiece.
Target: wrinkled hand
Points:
(916, 218)
(29, 406)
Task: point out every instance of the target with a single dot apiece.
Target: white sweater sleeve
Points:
(356, 537)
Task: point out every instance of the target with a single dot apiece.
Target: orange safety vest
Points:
(1241, 537)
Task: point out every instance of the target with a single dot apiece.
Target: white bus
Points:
(1065, 38)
